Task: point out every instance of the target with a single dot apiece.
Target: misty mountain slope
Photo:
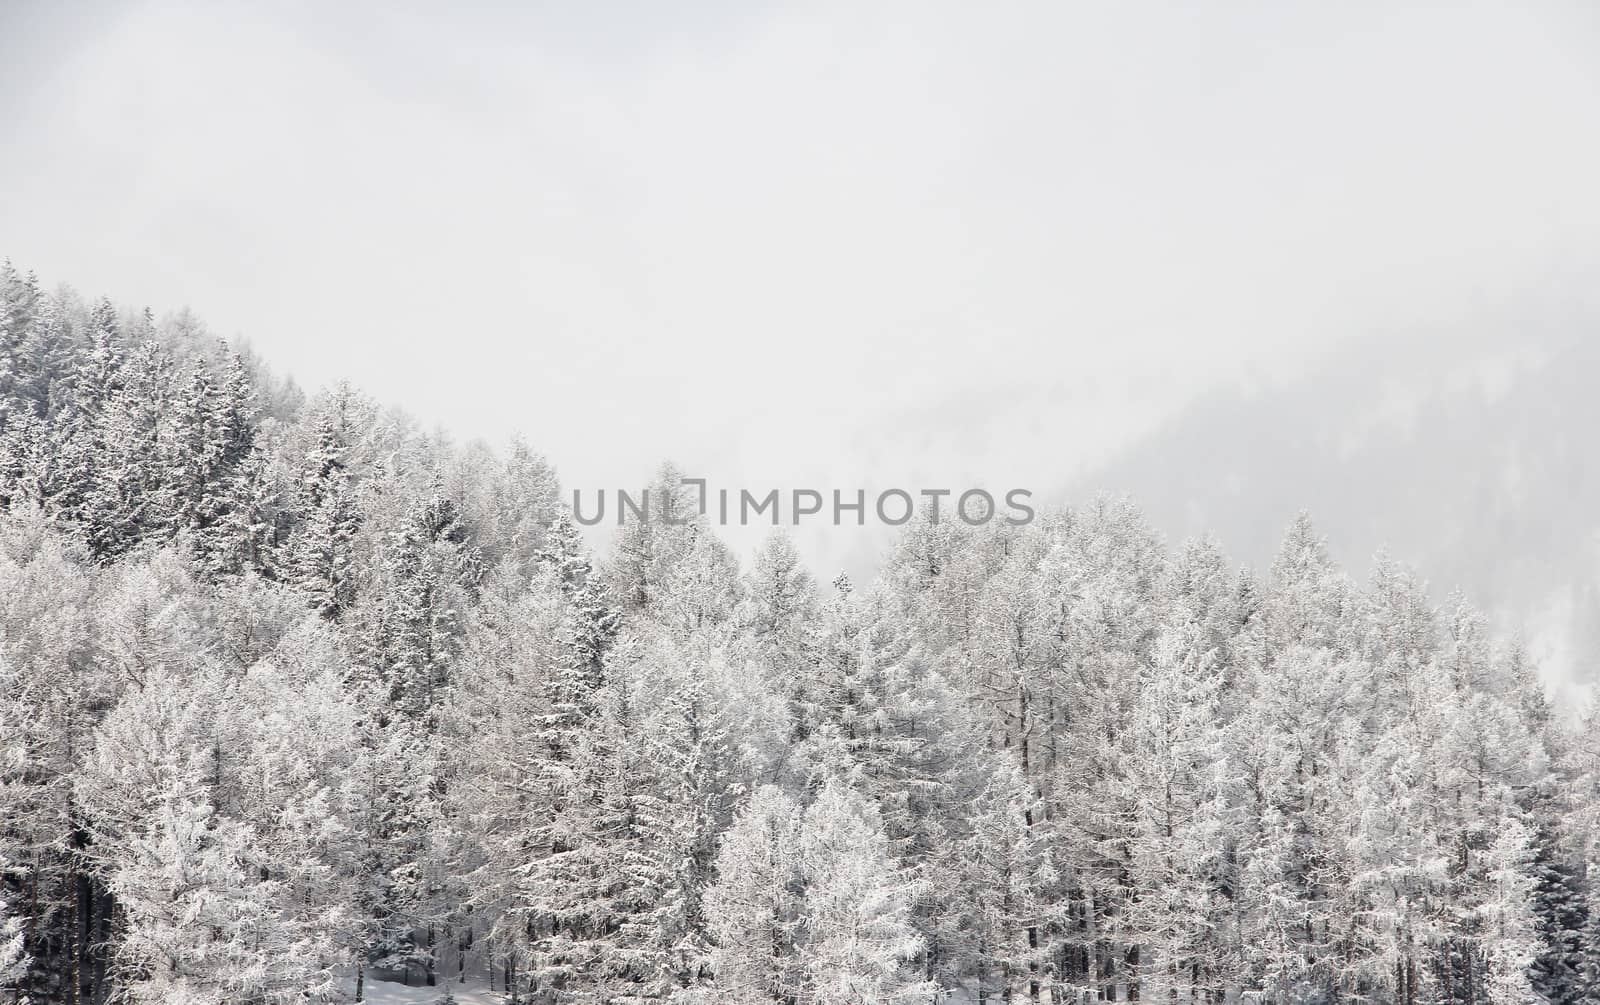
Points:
(1476, 466)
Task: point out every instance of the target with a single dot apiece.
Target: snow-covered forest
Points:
(296, 697)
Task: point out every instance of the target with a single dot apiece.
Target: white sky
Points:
(829, 244)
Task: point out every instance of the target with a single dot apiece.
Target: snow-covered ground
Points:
(477, 993)
(394, 993)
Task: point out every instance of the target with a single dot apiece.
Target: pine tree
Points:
(688, 771)
(779, 619)
(908, 735)
(571, 828)
(859, 937)
(1300, 717)
(13, 947)
(1003, 867)
(592, 622)
(45, 358)
(703, 591)
(755, 904)
(495, 759)
(782, 593)
(99, 372)
(580, 882)
(25, 461)
(1309, 594)
(1398, 867)
(209, 494)
(126, 499)
(1510, 937)
(650, 545)
(237, 532)
(322, 550)
(526, 502)
(289, 750)
(52, 692)
(19, 306)
(14, 963)
(200, 927)
(397, 807)
(1178, 911)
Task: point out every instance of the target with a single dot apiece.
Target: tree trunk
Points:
(983, 973)
(1033, 963)
(428, 973)
(1449, 973)
(102, 946)
(82, 935)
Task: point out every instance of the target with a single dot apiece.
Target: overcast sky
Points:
(832, 244)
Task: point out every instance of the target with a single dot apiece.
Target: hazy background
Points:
(1236, 258)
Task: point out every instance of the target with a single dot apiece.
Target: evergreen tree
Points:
(755, 905)
(1511, 942)
(201, 929)
(592, 622)
(1178, 910)
(859, 938)
(1004, 866)
(13, 947)
(688, 785)
(132, 494)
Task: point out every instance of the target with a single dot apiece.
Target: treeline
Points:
(293, 697)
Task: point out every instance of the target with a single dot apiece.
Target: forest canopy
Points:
(295, 697)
